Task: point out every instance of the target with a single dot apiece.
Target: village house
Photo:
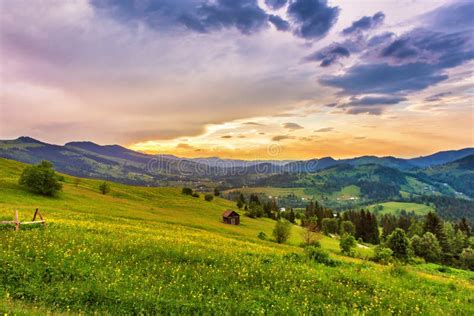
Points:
(231, 217)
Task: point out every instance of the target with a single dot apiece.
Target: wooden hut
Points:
(231, 217)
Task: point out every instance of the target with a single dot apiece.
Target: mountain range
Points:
(117, 163)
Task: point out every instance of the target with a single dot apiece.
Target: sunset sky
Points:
(249, 79)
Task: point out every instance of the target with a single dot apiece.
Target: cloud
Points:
(399, 49)
(414, 61)
(374, 100)
(281, 137)
(385, 78)
(329, 55)
(244, 15)
(365, 110)
(137, 73)
(156, 14)
(313, 18)
(279, 23)
(197, 15)
(444, 50)
(364, 105)
(380, 39)
(275, 4)
(331, 105)
(455, 16)
(437, 97)
(324, 130)
(226, 136)
(254, 124)
(184, 146)
(292, 126)
(365, 23)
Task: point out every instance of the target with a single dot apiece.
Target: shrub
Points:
(347, 244)
(195, 194)
(329, 226)
(104, 188)
(262, 235)
(347, 227)
(444, 269)
(398, 271)
(427, 247)
(217, 192)
(399, 243)
(293, 257)
(318, 255)
(312, 243)
(383, 254)
(467, 258)
(209, 197)
(41, 179)
(187, 191)
(282, 231)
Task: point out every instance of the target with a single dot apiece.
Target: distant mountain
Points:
(391, 162)
(114, 151)
(117, 163)
(232, 163)
(86, 159)
(441, 157)
(309, 166)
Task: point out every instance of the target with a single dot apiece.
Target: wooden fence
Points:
(17, 222)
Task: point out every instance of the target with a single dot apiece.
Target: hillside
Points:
(154, 250)
(458, 174)
(373, 182)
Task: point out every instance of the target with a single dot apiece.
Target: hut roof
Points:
(230, 213)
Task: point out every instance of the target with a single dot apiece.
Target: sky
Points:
(266, 79)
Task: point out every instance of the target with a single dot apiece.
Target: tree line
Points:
(404, 238)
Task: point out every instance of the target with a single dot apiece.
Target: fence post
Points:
(17, 221)
(34, 216)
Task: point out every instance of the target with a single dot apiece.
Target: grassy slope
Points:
(395, 208)
(153, 250)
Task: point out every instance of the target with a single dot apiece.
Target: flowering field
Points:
(153, 250)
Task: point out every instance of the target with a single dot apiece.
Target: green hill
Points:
(458, 174)
(145, 250)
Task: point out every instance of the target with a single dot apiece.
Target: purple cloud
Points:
(313, 18)
(365, 23)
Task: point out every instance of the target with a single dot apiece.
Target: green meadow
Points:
(143, 250)
(396, 207)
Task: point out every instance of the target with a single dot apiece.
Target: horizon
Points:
(241, 79)
(267, 158)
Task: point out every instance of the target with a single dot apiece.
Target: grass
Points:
(396, 207)
(154, 251)
(274, 192)
(347, 192)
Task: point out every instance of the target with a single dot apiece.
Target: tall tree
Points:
(399, 243)
(434, 224)
(464, 227)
